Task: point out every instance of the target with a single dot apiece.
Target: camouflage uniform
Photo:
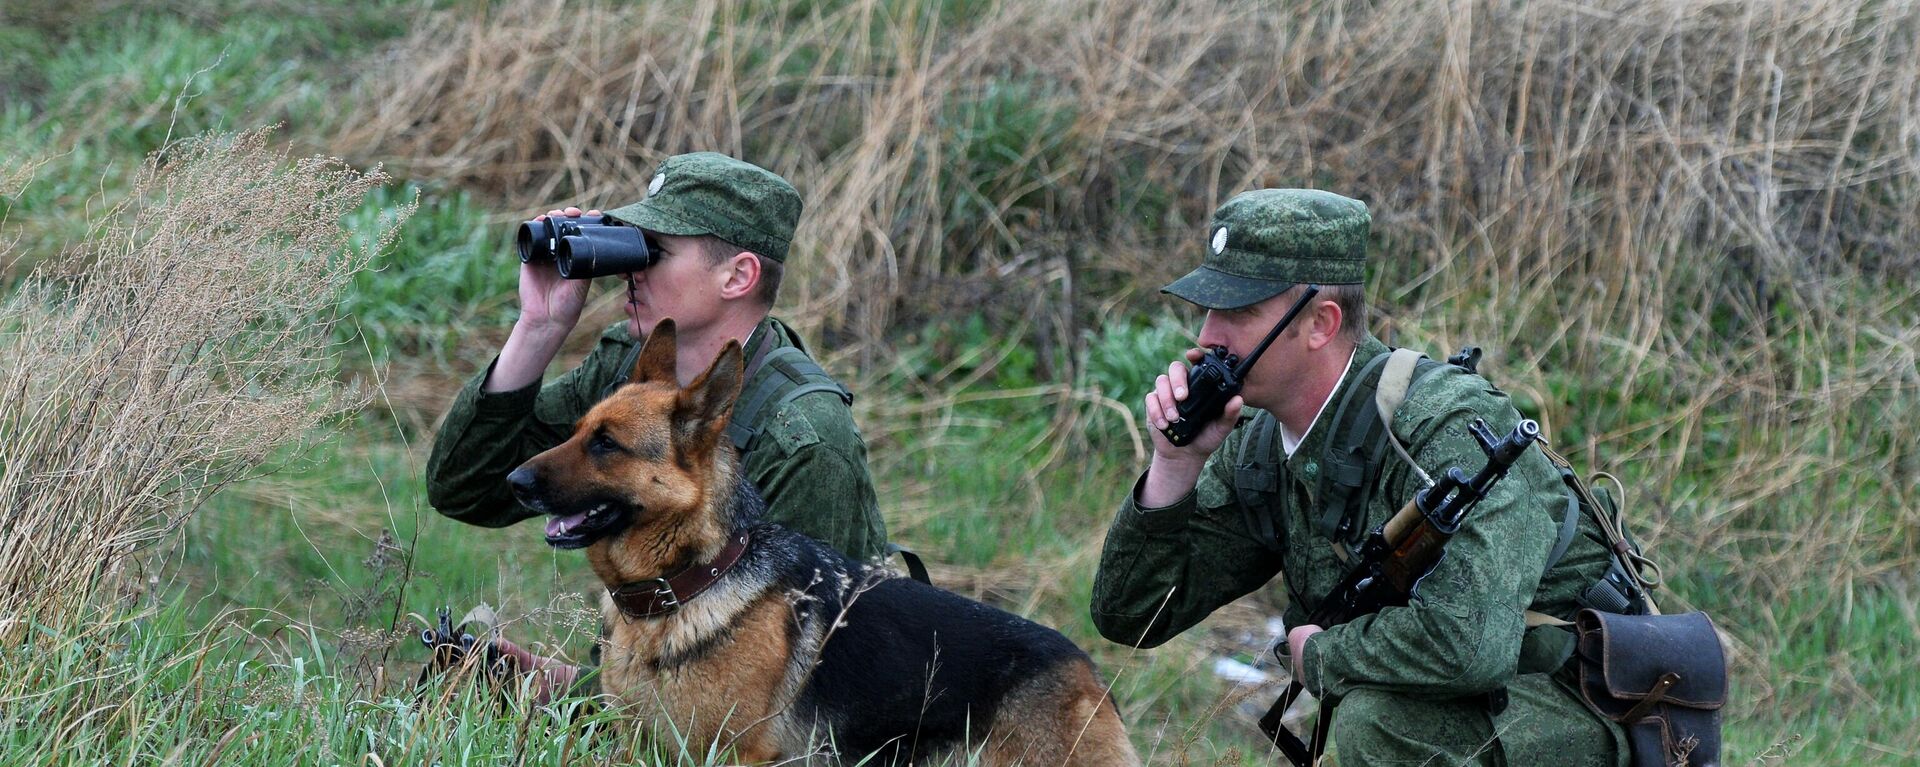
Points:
(808, 459)
(1412, 683)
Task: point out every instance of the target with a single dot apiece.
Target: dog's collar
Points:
(659, 596)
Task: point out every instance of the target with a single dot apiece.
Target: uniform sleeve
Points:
(1462, 632)
(810, 465)
(1164, 570)
(485, 435)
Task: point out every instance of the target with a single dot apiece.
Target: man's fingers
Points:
(1231, 413)
(1177, 376)
(1156, 410)
(1194, 355)
(569, 212)
(508, 648)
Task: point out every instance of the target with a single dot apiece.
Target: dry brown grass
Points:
(182, 349)
(1611, 145)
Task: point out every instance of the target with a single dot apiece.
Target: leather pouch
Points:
(1662, 677)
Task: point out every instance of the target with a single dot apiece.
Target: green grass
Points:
(253, 687)
(452, 268)
(97, 91)
(268, 613)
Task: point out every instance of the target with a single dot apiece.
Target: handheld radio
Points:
(1218, 376)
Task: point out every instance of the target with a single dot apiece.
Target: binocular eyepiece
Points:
(585, 247)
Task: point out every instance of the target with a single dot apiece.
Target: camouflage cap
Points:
(705, 193)
(1264, 241)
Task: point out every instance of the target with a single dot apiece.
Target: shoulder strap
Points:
(1362, 429)
(1395, 381)
(620, 373)
(1405, 370)
(790, 375)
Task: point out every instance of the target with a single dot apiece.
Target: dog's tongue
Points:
(559, 526)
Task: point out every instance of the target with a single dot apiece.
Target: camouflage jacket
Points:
(1165, 569)
(808, 460)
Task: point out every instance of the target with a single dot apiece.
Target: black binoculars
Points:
(585, 247)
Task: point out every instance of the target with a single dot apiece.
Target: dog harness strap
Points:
(660, 596)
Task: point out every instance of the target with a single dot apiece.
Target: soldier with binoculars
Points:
(706, 247)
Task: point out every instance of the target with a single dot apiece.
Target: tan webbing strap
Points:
(1543, 619)
(1395, 380)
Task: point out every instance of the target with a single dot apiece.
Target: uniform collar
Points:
(1290, 443)
(1305, 461)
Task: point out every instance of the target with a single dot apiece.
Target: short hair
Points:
(1352, 300)
(771, 271)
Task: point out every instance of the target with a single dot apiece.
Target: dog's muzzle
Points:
(526, 488)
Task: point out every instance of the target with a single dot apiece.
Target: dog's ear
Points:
(657, 356)
(706, 405)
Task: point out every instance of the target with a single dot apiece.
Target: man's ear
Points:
(706, 405)
(1324, 322)
(742, 277)
(657, 356)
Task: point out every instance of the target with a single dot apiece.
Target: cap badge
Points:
(659, 180)
(1220, 240)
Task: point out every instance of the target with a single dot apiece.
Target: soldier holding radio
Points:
(1296, 470)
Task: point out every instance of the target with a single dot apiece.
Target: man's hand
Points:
(1163, 408)
(1297, 648)
(502, 661)
(550, 306)
(1175, 470)
(551, 678)
(547, 300)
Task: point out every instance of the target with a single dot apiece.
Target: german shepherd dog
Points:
(724, 629)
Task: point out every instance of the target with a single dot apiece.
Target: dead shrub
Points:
(185, 345)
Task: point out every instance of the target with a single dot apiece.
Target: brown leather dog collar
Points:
(660, 596)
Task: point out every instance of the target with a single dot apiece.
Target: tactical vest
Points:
(1356, 450)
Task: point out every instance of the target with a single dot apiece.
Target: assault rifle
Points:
(1393, 560)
